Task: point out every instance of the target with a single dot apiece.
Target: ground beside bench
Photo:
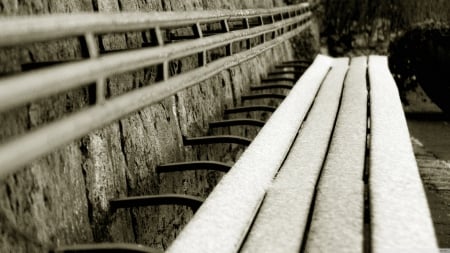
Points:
(316, 201)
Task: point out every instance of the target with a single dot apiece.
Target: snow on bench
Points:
(331, 171)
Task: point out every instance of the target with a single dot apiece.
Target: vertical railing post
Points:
(226, 29)
(247, 26)
(201, 56)
(281, 30)
(261, 23)
(93, 51)
(274, 33)
(289, 27)
(160, 41)
(159, 36)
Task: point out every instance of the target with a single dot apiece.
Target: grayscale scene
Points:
(225, 126)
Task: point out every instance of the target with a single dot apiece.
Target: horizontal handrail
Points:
(23, 88)
(26, 29)
(19, 89)
(28, 147)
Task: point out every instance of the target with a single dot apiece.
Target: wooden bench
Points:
(332, 170)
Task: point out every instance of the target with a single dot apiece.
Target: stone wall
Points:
(62, 198)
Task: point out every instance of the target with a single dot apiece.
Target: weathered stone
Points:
(63, 6)
(63, 198)
(104, 170)
(175, 5)
(45, 204)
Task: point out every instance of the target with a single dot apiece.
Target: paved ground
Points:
(431, 142)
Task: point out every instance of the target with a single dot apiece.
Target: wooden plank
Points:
(400, 218)
(222, 222)
(283, 216)
(338, 218)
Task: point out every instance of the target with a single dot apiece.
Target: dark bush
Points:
(347, 22)
(422, 56)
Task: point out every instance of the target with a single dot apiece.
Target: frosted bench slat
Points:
(221, 223)
(338, 219)
(283, 216)
(400, 218)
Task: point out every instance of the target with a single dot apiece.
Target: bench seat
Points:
(331, 171)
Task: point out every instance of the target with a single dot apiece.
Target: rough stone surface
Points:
(62, 198)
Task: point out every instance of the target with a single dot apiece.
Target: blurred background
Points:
(416, 36)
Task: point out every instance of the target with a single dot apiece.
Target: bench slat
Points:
(283, 217)
(222, 222)
(400, 218)
(338, 218)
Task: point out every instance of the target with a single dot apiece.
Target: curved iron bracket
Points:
(305, 62)
(236, 122)
(271, 86)
(252, 108)
(156, 200)
(279, 79)
(196, 165)
(189, 141)
(106, 247)
(292, 65)
(289, 71)
(262, 96)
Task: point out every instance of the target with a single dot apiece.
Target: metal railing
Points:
(22, 88)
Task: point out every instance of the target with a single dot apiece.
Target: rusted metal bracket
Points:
(156, 200)
(195, 165)
(253, 108)
(106, 247)
(187, 141)
(271, 86)
(236, 122)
